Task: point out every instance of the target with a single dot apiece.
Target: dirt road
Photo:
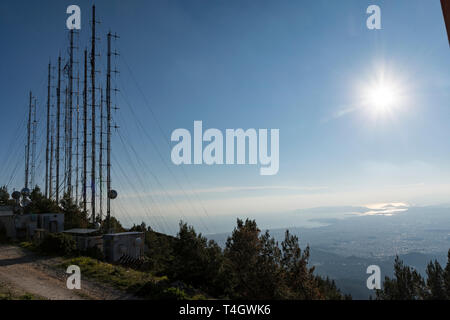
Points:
(24, 272)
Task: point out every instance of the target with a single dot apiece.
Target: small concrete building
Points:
(7, 222)
(23, 226)
(86, 238)
(125, 245)
(26, 224)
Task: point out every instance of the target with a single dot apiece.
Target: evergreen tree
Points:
(435, 281)
(197, 261)
(74, 217)
(4, 196)
(408, 284)
(301, 280)
(446, 277)
(242, 254)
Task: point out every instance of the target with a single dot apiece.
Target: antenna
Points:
(47, 151)
(77, 166)
(58, 126)
(112, 194)
(85, 139)
(33, 150)
(70, 117)
(27, 148)
(93, 146)
(66, 137)
(50, 187)
(101, 155)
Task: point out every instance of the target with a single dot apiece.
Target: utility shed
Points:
(86, 238)
(125, 245)
(23, 226)
(7, 222)
(53, 222)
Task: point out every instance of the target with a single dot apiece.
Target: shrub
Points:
(94, 253)
(159, 291)
(58, 244)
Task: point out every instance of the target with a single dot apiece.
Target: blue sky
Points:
(298, 66)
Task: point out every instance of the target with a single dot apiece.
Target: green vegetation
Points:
(58, 244)
(408, 284)
(252, 266)
(5, 197)
(7, 294)
(142, 284)
(119, 277)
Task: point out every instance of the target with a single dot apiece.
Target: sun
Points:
(383, 96)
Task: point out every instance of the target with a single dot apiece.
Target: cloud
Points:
(225, 189)
(342, 111)
(384, 209)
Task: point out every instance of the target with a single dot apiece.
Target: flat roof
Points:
(81, 231)
(124, 234)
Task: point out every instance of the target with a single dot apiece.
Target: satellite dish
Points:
(16, 195)
(112, 194)
(26, 192)
(26, 202)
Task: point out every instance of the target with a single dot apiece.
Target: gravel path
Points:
(25, 271)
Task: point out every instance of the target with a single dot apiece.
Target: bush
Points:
(119, 277)
(160, 291)
(58, 244)
(94, 253)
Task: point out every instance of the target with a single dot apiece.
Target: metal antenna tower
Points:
(70, 117)
(50, 186)
(58, 127)
(33, 150)
(66, 138)
(77, 166)
(111, 194)
(85, 138)
(47, 151)
(100, 167)
(93, 145)
(27, 147)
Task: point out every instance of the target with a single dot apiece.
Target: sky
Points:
(302, 67)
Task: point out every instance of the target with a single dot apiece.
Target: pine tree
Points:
(446, 277)
(408, 284)
(435, 281)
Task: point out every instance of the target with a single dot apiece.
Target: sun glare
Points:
(383, 96)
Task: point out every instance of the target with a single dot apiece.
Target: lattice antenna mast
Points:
(52, 146)
(27, 147)
(33, 150)
(52, 140)
(70, 115)
(77, 152)
(111, 194)
(100, 159)
(66, 137)
(47, 146)
(85, 136)
(93, 105)
(58, 128)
